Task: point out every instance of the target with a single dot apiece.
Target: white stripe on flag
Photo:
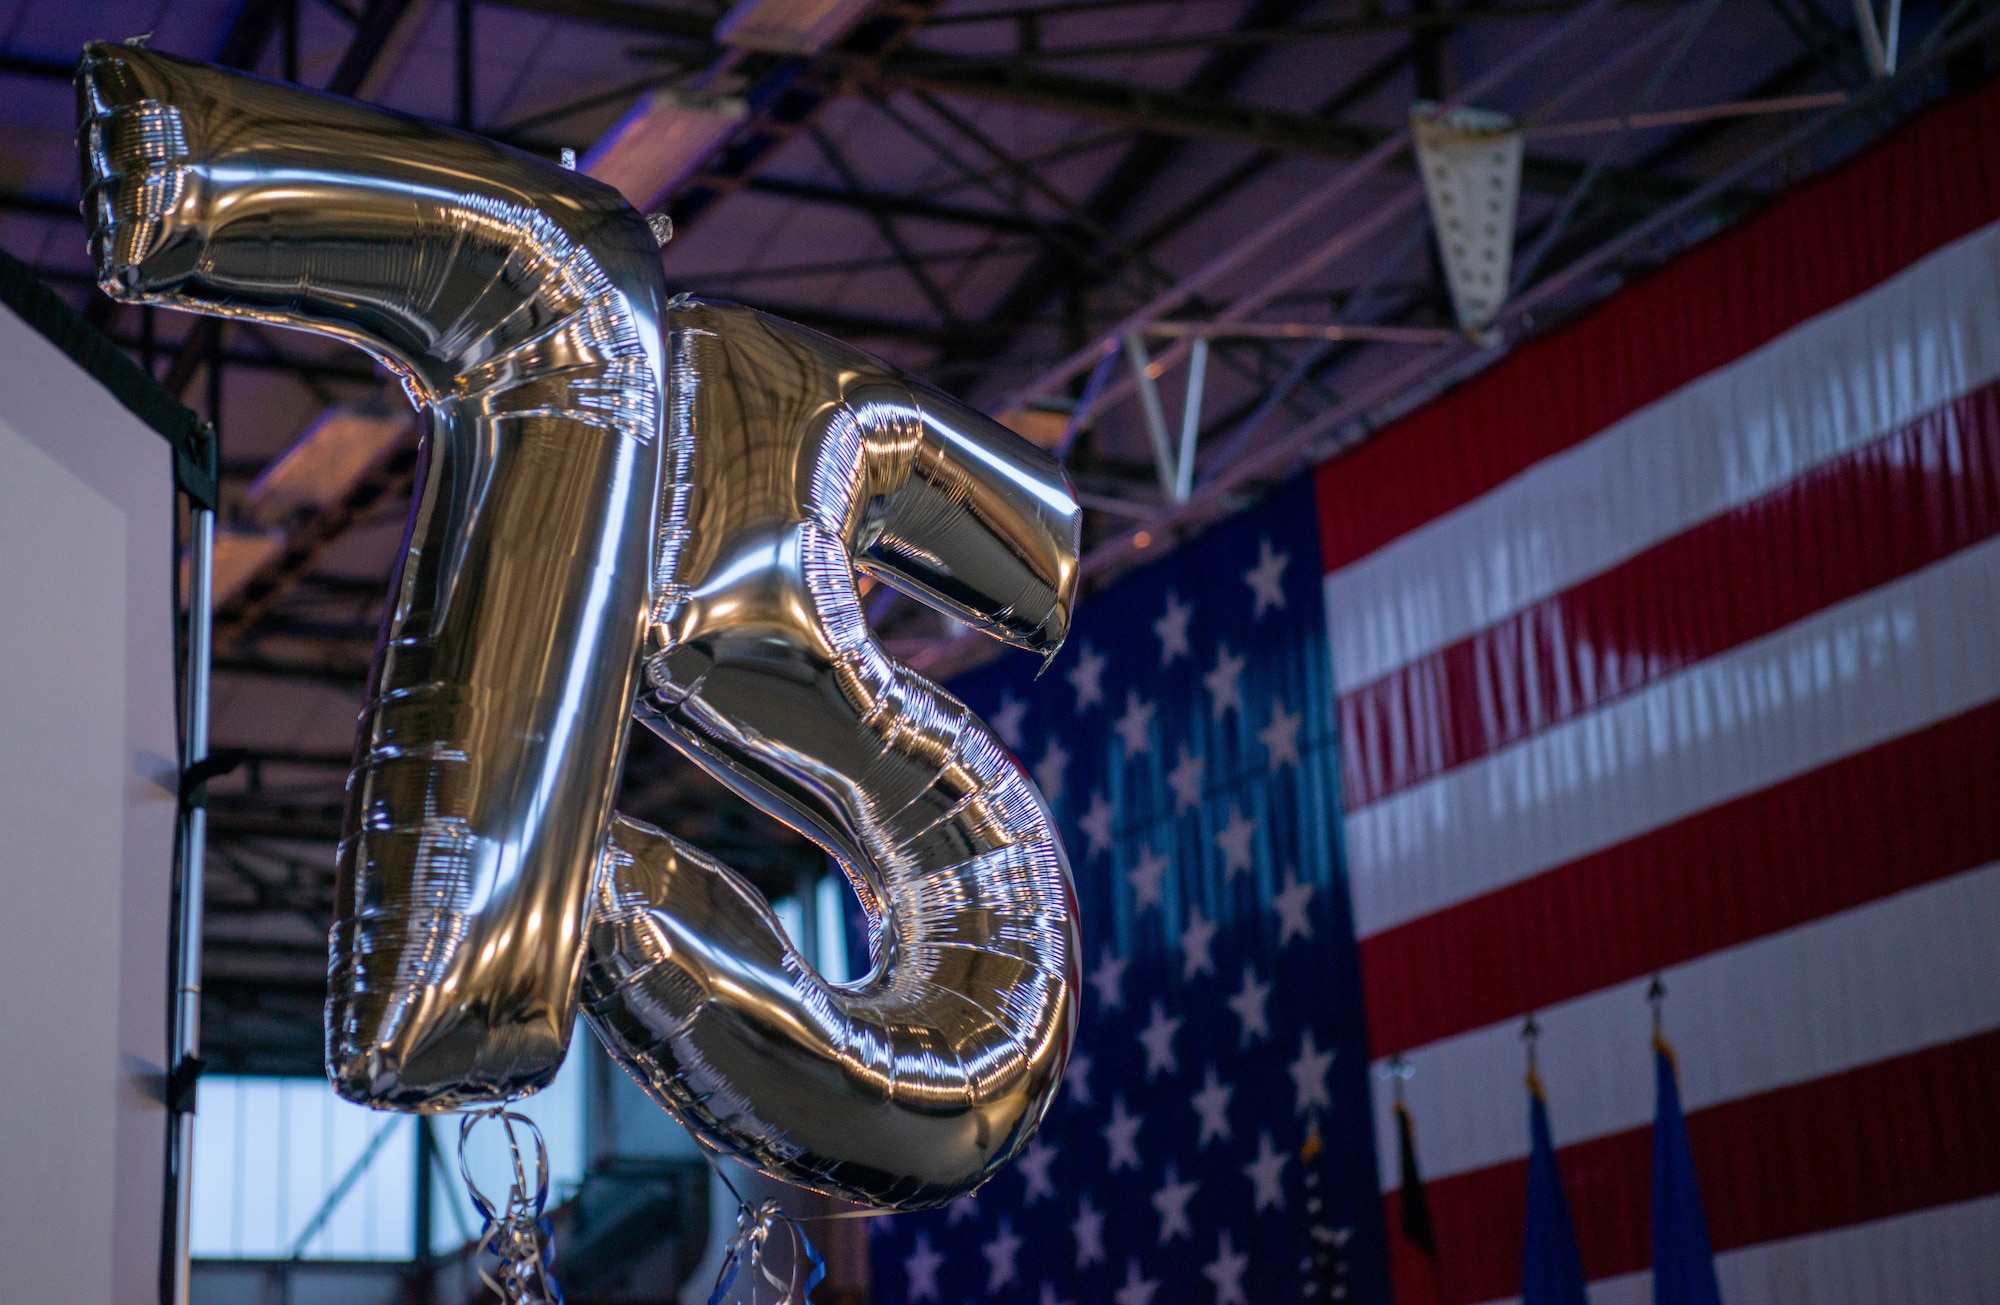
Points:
(1836, 382)
(1865, 671)
(1893, 977)
(1940, 1256)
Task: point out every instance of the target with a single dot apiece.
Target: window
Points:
(284, 1169)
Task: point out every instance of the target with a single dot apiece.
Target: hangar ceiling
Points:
(1001, 196)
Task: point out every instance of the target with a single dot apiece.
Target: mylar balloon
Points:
(800, 458)
(520, 303)
(612, 485)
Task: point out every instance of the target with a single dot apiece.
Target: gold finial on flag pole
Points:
(1531, 1033)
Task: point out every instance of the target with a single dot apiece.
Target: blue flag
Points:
(1683, 1264)
(1213, 1143)
(1551, 1267)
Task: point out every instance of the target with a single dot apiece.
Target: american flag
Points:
(1212, 1141)
(1672, 644)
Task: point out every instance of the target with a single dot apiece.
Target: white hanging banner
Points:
(1471, 165)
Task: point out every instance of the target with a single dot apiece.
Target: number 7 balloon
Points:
(630, 502)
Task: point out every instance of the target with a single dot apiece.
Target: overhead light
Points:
(238, 558)
(1040, 427)
(789, 26)
(1471, 164)
(666, 136)
(323, 465)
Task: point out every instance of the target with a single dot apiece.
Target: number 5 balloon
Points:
(633, 503)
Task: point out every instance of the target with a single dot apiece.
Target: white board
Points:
(87, 820)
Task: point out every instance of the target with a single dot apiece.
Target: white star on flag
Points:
(965, 1207)
(1248, 1003)
(1158, 1040)
(1007, 720)
(1087, 678)
(1145, 879)
(1172, 629)
(1137, 1290)
(1267, 578)
(1264, 1174)
(1309, 1075)
(1171, 1202)
(1134, 726)
(1096, 825)
(1077, 1078)
(1233, 841)
(1281, 737)
(1226, 1272)
(1212, 1105)
(921, 1268)
(1000, 1253)
(1049, 1295)
(1049, 770)
(1196, 940)
(1034, 1166)
(1088, 1229)
(1108, 979)
(1292, 906)
(1225, 683)
(1121, 1137)
(1185, 780)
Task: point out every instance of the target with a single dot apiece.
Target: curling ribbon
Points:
(515, 1233)
(746, 1251)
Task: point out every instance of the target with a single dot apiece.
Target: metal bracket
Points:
(194, 780)
(1176, 472)
(1879, 39)
(181, 1081)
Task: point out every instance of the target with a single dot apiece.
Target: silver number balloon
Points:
(521, 304)
(798, 457)
(616, 486)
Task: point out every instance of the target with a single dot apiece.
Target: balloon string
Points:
(516, 1232)
(746, 1251)
(754, 1226)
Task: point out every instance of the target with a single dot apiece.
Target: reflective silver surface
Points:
(611, 484)
(521, 304)
(790, 460)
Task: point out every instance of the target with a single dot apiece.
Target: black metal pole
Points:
(426, 1211)
(215, 380)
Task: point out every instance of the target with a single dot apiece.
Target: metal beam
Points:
(41, 206)
(26, 65)
(1393, 393)
(371, 37)
(305, 368)
(861, 327)
(1373, 18)
(1141, 108)
(886, 227)
(270, 668)
(1425, 20)
(1204, 117)
(622, 15)
(309, 825)
(1110, 201)
(875, 202)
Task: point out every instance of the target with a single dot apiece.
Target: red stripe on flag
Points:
(1907, 812)
(1884, 510)
(1822, 244)
(1885, 1139)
